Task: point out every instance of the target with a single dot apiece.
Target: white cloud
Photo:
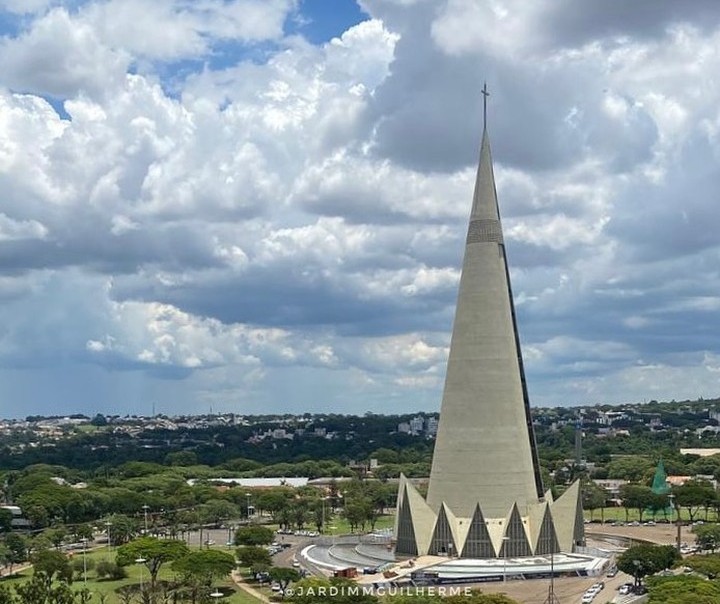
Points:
(219, 201)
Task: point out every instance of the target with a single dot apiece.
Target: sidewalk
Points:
(239, 580)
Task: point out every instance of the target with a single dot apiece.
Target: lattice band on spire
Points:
(484, 230)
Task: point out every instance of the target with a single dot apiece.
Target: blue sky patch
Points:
(320, 21)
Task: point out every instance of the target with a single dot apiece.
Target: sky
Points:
(259, 206)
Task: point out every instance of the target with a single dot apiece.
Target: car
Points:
(275, 587)
(612, 572)
(625, 589)
(296, 564)
(587, 598)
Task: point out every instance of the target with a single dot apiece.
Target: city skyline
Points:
(261, 206)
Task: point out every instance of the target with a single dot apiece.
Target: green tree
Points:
(5, 520)
(215, 511)
(706, 565)
(707, 536)
(249, 555)
(636, 496)
(17, 546)
(154, 552)
(51, 565)
(593, 497)
(694, 495)
(200, 568)
(284, 576)
(642, 560)
(122, 529)
(253, 535)
(683, 589)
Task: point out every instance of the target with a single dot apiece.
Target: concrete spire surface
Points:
(485, 496)
(485, 450)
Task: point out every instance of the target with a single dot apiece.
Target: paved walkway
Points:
(239, 580)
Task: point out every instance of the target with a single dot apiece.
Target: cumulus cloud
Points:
(220, 203)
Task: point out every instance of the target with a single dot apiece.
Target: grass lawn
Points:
(96, 587)
(337, 525)
(613, 514)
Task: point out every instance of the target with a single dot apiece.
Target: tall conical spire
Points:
(485, 483)
(485, 450)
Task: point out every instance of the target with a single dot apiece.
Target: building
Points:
(485, 496)
(18, 521)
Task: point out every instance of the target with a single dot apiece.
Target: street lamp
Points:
(674, 505)
(145, 508)
(551, 597)
(84, 542)
(322, 528)
(108, 524)
(247, 507)
(141, 561)
(504, 550)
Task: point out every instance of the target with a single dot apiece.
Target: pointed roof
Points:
(485, 204)
(659, 483)
(485, 446)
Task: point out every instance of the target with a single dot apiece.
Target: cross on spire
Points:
(485, 94)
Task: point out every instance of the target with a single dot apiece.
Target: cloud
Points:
(220, 209)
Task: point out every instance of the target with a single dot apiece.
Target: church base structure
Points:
(535, 529)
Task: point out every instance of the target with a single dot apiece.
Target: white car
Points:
(587, 597)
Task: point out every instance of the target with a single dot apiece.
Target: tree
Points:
(706, 565)
(200, 568)
(283, 576)
(155, 552)
(707, 536)
(249, 555)
(593, 497)
(217, 510)
(52, 564)
(40, 591)
(636, 496)
(106, 569)
(253, 535)
(683, 589)
(5, 520)
(122, 529)
(642, 560)
(693, 495)
(56, 536)
(17, 546)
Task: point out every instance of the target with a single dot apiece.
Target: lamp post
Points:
(145, 508)
(247, 505)
(505, 557)
(322, 529)
(673, 504)
(84, 542)
(108, 524)
(141, 561)
(551, 597)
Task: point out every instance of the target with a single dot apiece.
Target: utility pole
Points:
(551, 597)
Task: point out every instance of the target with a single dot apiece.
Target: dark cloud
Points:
(570, 23)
